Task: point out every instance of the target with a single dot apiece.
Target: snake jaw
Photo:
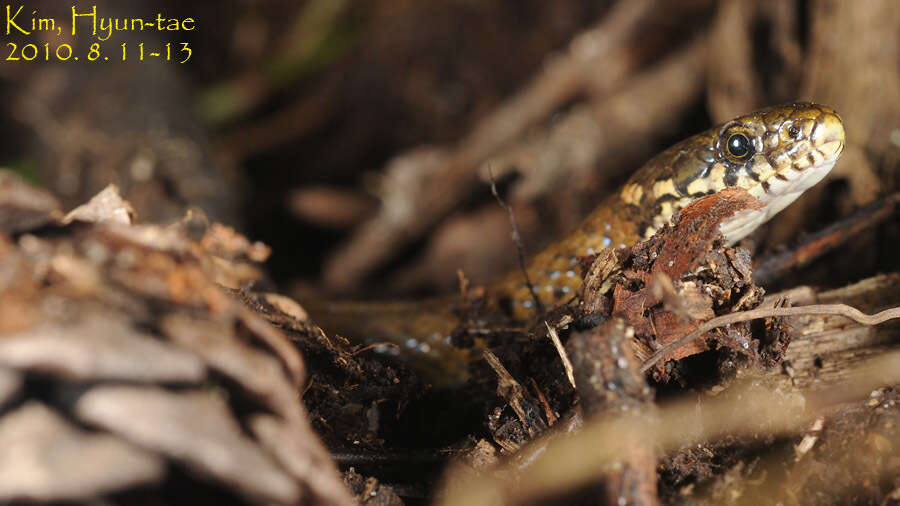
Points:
(744, 222)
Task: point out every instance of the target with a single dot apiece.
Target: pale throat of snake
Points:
(775, 155)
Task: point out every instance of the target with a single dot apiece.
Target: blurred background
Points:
(357, 137)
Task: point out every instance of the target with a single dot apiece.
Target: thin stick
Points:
(374, 345)
(743, 316)
(567, 364)
(517, 239)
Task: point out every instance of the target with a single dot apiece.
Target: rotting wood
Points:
(825, 349)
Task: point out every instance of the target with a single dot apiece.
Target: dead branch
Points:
(609, 383)
(517, 242)
(818, 244)
(599, 57)
(755, 314)
(595, 140)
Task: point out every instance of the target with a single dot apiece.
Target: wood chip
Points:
(23, 206)
(106, 206)
(297, 448)
(44, 458)
(98, 346)
(195, 428)
(255, 370)
(10, 383)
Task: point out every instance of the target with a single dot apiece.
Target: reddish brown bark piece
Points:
(694, 234)
(675, 252)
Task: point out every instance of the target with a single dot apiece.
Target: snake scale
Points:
(774, 154)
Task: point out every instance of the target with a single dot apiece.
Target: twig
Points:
(567, 364)
(600, 130)
(517, 239)
(287, 123)
(515, 395)
(549, 414)
(599, 58)
(826, 240)
(309, 43)
(372, 346)
(743, 316)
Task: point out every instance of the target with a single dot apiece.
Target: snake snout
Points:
(828, 135)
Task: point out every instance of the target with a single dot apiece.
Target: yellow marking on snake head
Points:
(632, 193)
(664, 187)
(698, 186)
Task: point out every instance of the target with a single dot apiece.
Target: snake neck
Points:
(555, 273)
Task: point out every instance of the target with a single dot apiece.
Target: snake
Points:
(774, 154)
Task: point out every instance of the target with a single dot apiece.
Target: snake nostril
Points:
(793, 131)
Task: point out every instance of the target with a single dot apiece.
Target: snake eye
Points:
(738, 145)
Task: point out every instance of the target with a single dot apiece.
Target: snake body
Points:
(774, 154)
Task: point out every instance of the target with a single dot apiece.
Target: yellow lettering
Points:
(46, 24)
(106, 26)
(11, 21)
(92, 14)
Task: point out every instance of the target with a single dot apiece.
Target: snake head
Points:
(775, 154)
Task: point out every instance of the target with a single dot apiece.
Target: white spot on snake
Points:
(590, 251)
(566, 289)
(606, 241)
(570, 274)
(554, 275)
